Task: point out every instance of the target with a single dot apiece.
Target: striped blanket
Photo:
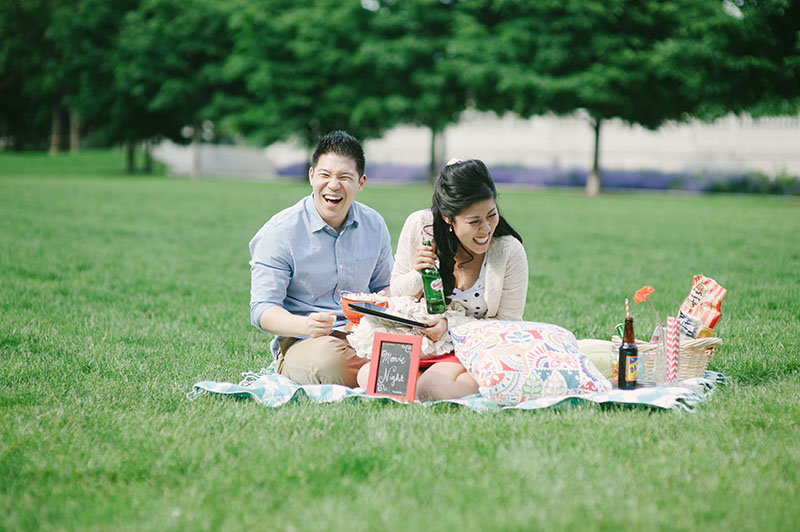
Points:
(271, 389)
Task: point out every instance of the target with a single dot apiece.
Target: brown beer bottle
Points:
(628, 358)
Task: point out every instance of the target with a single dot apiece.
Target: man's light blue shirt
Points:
(302, 264)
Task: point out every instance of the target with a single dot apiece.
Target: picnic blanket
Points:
(272, 389)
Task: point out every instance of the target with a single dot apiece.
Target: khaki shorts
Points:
(322, 360)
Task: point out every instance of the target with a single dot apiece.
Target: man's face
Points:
(335, 182)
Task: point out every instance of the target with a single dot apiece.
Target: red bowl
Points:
(352, 315)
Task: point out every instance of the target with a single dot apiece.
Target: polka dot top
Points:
(472, 298)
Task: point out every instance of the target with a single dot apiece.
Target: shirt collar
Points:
(352, 217)
(316, 223)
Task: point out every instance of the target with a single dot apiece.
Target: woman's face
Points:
(475, 225)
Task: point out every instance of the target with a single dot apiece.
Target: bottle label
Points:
(631, 368)
(437, 284)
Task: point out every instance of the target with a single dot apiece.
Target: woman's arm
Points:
(515, 283)
(514, 288)
(406, 281)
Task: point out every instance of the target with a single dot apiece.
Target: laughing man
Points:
(307, 254)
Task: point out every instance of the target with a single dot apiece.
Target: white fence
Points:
(731, 144)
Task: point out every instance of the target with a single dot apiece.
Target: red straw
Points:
(627, 309)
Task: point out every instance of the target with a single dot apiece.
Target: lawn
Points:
(118, 293)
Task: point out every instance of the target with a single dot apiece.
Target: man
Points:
(307, 254)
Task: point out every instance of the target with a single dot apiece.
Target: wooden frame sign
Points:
(394, 366)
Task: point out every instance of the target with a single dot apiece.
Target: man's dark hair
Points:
(341, 143)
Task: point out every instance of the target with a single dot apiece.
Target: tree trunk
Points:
(5, 142)
(74, 131)
(432, 162)
(593, 180)
(148, 156)
(130, 151)
(55, 132)
(196, 140)
(437, 153)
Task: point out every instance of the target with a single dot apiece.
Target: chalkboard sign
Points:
(394, 365)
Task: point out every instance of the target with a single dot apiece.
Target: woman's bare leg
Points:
(363, 375)
(445, 380)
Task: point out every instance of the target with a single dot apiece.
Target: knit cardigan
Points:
(506, 271)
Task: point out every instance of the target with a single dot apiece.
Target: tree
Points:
(593, 55)
(738, 56)
(334, 64)
(26, 88)
(86, 34)
(297, 64)
(415, 79)
(168, 68)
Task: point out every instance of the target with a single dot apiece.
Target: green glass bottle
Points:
(433, 288)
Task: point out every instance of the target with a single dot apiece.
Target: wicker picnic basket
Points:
(693, 355)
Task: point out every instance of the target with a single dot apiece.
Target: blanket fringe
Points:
(702, 390)
(249, 377)
(687, 403)
(195, 393)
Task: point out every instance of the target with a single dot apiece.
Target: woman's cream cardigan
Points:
(506, 271)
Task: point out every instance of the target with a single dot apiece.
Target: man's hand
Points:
(436, 328)
(424, 257)
(281, 322)
(319, 323)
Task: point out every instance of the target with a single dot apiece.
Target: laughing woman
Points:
(480, 256)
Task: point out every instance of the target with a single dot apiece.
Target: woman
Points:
(483, 265)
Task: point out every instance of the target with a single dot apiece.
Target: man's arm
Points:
(281, 322)
(271, 272)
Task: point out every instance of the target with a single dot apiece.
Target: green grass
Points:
(101, 163)
(118, 293)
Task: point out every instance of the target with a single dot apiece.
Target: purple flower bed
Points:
(556, 177)
(393, 173)
(293, 170)
(611, 179)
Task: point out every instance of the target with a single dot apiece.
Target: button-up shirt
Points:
(302, 264)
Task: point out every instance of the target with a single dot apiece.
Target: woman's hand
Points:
(436, 329)
(424, 257)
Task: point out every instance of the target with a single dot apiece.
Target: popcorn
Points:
(363, 296)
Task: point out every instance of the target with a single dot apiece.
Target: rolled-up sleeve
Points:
(270, 272)
(515, 282)
(406, 281)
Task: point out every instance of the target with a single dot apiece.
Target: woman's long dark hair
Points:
(459, 185)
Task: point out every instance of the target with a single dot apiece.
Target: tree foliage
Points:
(416, 80)
(85, 33)
(599, 56)
(298, 64)
(26, 92)
(272, 70)
(169, 65)
(738, 56)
